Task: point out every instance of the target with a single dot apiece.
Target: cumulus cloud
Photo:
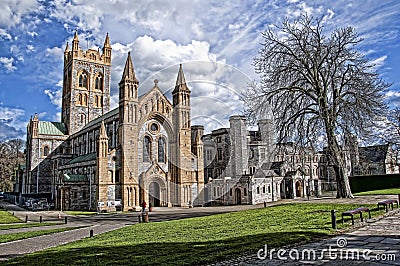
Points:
(8, 64)
(12, 12)
(55, 97)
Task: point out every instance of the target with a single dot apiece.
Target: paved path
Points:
(381, 234)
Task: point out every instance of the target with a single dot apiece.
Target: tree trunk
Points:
(336, 158)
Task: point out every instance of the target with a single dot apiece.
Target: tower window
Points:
(84, 99)
(83, 80)
(99, 83)
(79, 102)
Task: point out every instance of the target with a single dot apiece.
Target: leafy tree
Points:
(316, 85)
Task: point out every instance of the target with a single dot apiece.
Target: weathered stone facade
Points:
(144, 150)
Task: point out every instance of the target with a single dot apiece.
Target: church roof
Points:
(84, 158)
(75, 178)
(101, 118)
(52, 128)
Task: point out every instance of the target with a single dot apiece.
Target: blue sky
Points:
(215, 41)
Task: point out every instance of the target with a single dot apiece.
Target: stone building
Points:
(144, 150)
(247, 167)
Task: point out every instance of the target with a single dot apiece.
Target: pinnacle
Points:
(107, 42)
(129, 71)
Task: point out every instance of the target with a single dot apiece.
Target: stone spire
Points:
(180, 81)
(75, 42)
(107, 42)
(129, 71)
(103, 133)
(66, 48)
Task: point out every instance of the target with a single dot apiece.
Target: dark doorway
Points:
(154, 194)
(299, 189)
(238, 196)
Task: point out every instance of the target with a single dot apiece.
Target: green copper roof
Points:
(101, 118)
(84, 158)
(51, 128)
(75, 178)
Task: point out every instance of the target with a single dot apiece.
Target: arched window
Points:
(99, 83)
(161, 150)
(84, 99)
(46, 150)
(83, 80)
(146, 149)
(79, 101)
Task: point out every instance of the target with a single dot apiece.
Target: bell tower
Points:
(86, 84)
(182, 156)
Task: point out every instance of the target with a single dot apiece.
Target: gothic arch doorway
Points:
(299, 189)
(238, 196)
(154, 194)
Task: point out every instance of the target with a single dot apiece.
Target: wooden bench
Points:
(356, 211)
(387, 203)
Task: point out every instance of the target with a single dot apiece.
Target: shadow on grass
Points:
(90, 252)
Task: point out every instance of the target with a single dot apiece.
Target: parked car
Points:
(118, 205)
(1, 195)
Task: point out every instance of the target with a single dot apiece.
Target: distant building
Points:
(246, 167)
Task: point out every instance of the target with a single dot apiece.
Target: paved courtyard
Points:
(375, 242)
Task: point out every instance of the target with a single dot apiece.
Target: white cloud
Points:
(55, 97)
(5, 35)
(12, 12)
(8, 64)
(379, 62)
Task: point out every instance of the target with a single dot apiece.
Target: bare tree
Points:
(316, 85)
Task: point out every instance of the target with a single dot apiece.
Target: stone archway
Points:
(238, 196)
(154, 194)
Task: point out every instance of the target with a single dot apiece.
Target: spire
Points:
(75, 42)
(180, 81)
(107, 42)
(181, 77)
(67, 47)
(129, 71)
(76, 36)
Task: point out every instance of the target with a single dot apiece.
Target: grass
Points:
(80, 212)
(8, 218)
(24, 225)
(389, 191)
(17, 236)
(197, 240)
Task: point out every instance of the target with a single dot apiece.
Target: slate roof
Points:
(52, 128)
(101, 118)
(374, 154)
(75, 178)
(84, 158)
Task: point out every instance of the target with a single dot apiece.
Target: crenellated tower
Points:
(127, 135)
(181, 157)
(86, 84)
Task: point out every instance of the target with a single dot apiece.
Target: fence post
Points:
(333, 216)
(26, 218)
(65, 220)
(40, 219)
(91, 233)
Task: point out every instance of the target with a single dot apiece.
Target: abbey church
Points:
(144, 150)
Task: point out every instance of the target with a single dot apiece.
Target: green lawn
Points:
(8, 218)
(17, 236)
(389, 191)
(197, 240)
(24, 225)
